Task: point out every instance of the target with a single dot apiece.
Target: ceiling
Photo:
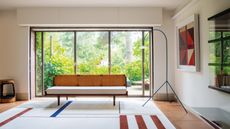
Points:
(167, 4)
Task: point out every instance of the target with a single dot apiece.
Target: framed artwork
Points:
(188, 44)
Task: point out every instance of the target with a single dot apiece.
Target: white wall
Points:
(193, 87)
(89, 16)
(14, 52)
(160, 55)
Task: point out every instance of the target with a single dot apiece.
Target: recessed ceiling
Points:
(167, 4)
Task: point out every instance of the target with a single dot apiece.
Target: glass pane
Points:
(147, 63)
(226, 34)
(92, 53)
(215, 52)
(214, 72)
(226, 70)
(226, 77)
(38, 64)
(126, 58)
(226, 50)
(214, 35)
(58, 55)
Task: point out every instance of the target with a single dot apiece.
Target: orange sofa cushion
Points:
(113, 80)
(90, 80)
(65, 80)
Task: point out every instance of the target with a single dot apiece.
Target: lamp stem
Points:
(166, 81)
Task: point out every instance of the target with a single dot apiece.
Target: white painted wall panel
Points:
(150, 16)
(14, 52)
(89, 16)
(37, 16)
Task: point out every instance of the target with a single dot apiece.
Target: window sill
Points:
(220, 89)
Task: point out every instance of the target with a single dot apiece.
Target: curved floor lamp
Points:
(166, 81)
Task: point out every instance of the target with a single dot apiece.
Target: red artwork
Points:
(186, 45)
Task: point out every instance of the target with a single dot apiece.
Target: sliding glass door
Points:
(54, 56)
(94, 52)
(130, 56)
(58, 55)
(126, 59)
(38, 64)
(146, 65)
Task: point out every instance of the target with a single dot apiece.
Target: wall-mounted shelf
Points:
(220, 89)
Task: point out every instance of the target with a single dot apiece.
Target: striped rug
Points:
(85, 114)
(140, 122)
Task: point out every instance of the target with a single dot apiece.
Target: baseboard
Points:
(22, 96)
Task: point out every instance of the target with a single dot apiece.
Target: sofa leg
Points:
(58, 100)
(67, 98)
(114, 100)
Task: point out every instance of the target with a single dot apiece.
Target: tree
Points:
(58, 55)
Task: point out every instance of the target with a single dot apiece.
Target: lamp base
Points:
(167, 85)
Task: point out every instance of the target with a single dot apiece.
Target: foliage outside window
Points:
(92, 55)
(219, 58)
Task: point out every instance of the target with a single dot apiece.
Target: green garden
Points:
(58, 54)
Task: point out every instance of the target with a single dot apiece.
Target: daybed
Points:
(88, 85)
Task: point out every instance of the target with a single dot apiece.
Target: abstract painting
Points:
(188, 46)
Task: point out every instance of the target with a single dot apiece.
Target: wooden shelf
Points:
(220, 89)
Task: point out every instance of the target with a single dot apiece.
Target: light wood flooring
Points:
(7, 106)
(176, 114)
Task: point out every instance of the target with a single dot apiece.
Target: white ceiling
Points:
(167, 4)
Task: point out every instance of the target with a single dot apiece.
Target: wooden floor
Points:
(176, 114)
(173, 111)
(7, 106)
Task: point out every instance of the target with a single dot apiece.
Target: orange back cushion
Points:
(89, 80)
(65, 80)
(114, 80)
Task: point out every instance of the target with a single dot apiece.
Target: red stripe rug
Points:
(125, 122)
(14, 117)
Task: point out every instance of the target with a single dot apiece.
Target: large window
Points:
(94, 52)
(58, 55)
(38, 65)
(130, 56)
(54, 56)
(219, 51)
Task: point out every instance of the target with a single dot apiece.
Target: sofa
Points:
(88, 85)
